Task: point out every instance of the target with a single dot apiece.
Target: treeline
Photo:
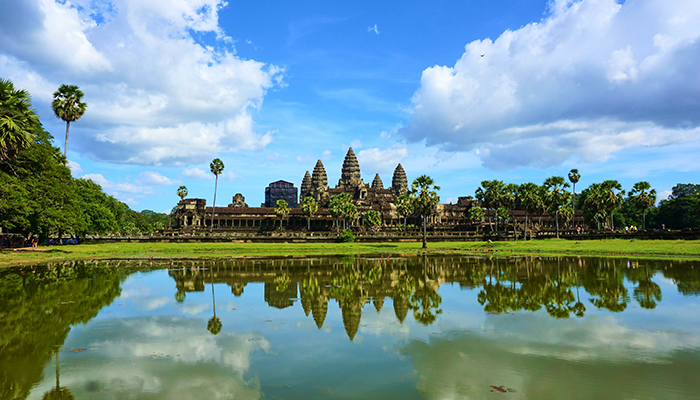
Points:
(38, 194)
(604, 205)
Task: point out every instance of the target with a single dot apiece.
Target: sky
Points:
(462, 91)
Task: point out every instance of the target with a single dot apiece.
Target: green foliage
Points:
(678, 213)
(309, 206)
(373, 218)
(182, 192)
(425, 199)
(18, 122)
(476, 215)
(281, 210)
(341, 205)
(346, 236)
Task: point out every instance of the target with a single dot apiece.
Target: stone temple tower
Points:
(305, 187)
(350, 175)
(377, 182)
(319, 183)
(399, 183)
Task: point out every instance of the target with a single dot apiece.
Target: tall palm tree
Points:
(68, 105)
(528, 198)
(182, 192)
(281, 209)
(643, 199)
(217, 168)
(556, 196)
(425, 199)
(309, 206)
(574, 177)
(18, 122)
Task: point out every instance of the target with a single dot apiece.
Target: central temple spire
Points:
(350, 174)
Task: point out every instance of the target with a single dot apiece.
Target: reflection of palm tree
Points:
(647, 293)
(578, 308)
(58, 393)
(214, 324)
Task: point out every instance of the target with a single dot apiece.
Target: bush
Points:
(346, 236)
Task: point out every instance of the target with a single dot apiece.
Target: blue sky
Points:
(462, 91)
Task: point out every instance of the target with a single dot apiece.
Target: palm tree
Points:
(68, 105)
(528, 198)
(574, 177)
(309, 206)
(476, 215)
(510, 193)
(555, 197)
(404, 207)
(612, 200)
(643, 199)
(214, 324)
(425, 199)
(490, 194)
(18, 122)
(281, 209)
(182, 192)
(216, 167)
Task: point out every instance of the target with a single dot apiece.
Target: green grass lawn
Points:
(612, 247)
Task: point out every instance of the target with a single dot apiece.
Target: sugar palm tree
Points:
(182, 192)
(217, 168)
(68, 105)
(309, 206)
(18, 122)
(555, 197)
(574, 177)
(425, 199)
(643, 199)
(281, 209)
(528, 198)
(214, 324)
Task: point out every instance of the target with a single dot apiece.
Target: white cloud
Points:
(117, 188)
(156, 93)
(75, 168)
(374, 29)
(592, 78)
(153, 178)
(381, 161)
(197, 173)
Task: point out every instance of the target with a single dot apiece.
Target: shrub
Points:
(346, 236)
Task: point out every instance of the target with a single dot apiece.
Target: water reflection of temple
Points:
(562, 287)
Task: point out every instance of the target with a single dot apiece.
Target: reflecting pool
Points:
(436, 327)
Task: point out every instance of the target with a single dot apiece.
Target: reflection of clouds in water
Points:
(540, 357)
(169, 358)
(152, 302)
(383, 323)
(194, 308)
(595, 337)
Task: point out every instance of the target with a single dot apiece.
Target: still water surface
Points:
(446, 327)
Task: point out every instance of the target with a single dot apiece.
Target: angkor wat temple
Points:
(193, 214)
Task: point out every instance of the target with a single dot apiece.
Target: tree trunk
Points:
(213, 206)
(425, 239)
(525, 231)
(65, 146)
(644, 219)
(512, 215)
(556, 222)
(308, 223)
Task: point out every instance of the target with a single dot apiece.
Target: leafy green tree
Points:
(68, 105)
(214, 324)
(337, 206)
(643, 197)
(349, 212)
(510, 196)
(555, 197)
(425, 200)
(281, 210)
(679, 213)
(613, 198)
(18, 122)
(476, 215)
(528, 199)
(490, 194)
(373, 219)
(217, 168)
(309, 206)
(94, 204)
(574, 177)
(182, 192)
(684, 190)
(404, 207)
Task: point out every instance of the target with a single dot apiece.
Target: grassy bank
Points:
(613, 247)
